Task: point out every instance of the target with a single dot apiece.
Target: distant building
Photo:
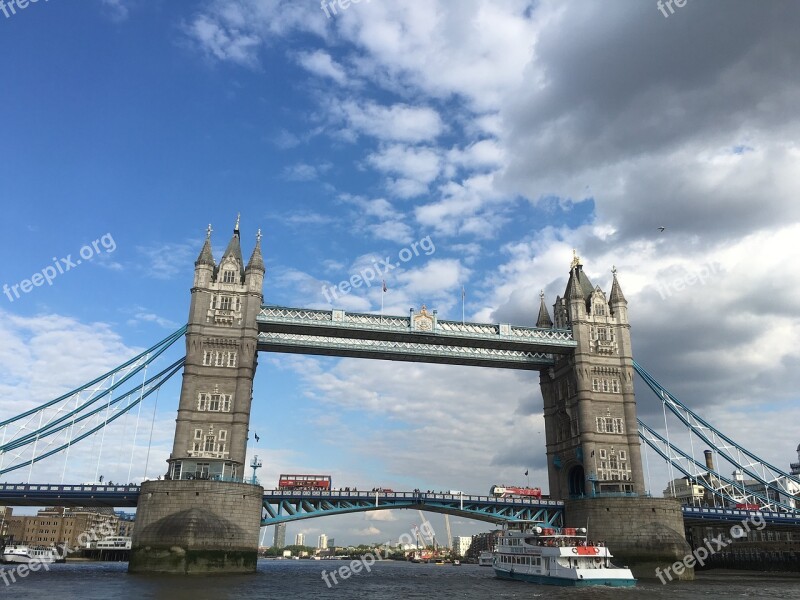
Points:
(279, 541)
(332, 543)
(322, 543)
(792, 497)
(482, 542)
(685, 491)
(61, 526)
(5, 514)
(300, 539)
(461, 544)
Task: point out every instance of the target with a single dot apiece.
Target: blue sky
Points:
(507, 133)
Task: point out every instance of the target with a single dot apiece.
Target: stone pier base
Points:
(642, 533)
(189, 527)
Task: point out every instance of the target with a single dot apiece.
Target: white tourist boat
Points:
(486, 558)
(24, 554)
(116, 542)
(528, 552)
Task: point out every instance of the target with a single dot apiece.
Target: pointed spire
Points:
(616, 291)
(234, 250)
(256, 260)
(206, 256)
(574, 288)
(544, 321)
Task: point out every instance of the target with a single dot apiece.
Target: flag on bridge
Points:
(385, 289)
(526, 472)
(257, 438)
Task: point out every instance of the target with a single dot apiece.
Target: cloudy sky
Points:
(506, 133)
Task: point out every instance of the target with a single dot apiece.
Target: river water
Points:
(301, 580)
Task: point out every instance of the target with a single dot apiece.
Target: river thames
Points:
(301, 580)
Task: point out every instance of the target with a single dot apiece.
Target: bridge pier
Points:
(642, 533)
(188, 527)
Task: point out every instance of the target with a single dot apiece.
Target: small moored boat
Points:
(25, 554)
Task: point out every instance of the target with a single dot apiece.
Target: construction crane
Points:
(449, 534)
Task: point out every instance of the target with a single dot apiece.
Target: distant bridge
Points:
(281, 506)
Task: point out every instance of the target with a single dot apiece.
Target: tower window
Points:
(615, 386)
(225, 302)
(198, 434)
(595, 385)
(228, 277)
(231, 359)
(599, 310)
(214, 402)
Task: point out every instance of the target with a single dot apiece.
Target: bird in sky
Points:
(661, 229)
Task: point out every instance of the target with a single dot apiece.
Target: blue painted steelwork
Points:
(768, 475)
(43, 494)
(157, 348)
(281, 506)
(39, 432)
(67, 422)
(692, 513)
(727, 490)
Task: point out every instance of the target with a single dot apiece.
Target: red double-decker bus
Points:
(506, 491)
(304, 482)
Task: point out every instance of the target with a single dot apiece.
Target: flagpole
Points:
(463, 295)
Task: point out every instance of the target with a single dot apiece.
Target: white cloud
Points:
(417, 163)
(399, 122)
(320, 63)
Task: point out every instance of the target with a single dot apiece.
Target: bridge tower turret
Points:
(214, 410)
(589, 404)
(203, 517)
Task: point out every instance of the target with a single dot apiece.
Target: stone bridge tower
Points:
(202, 518)
(589, 405)
(593, 450)
(214, 411)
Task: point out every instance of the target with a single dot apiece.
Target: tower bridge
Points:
(204, 516)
